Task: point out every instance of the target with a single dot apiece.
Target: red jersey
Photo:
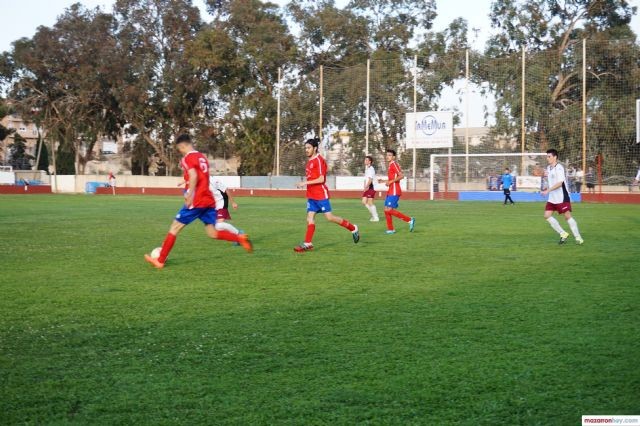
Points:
(202, 195)
(392, 173)
(316, 167)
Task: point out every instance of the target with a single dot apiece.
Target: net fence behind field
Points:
(580, 101)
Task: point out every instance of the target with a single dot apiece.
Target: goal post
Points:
(473, 172)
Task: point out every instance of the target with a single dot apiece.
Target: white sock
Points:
(372, 209)
(555, 225)
(574, 228)
(224, 226)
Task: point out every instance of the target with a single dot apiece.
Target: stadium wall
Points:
(284, 186)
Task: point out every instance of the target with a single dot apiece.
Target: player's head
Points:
(506, 170)
(311, 147)
(391, 154)
(552, 156)
(368, 160)
(184, 143)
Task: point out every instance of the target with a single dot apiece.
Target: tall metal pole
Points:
(278, 123)
(466, 115)
(366, 136)
(415, 109)
(522, 122)
(584, 105)
(321, 96)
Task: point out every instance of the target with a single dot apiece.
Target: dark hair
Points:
(314, 142)
(369, 157)
(183, 138)
(392, 151)
(552, 152)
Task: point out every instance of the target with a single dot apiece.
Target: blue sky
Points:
(20, 18)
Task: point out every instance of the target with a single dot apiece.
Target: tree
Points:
(552, 31)
(390, 33)
(19, 159)
(61, 80)
(240, 54)
(160, 93)
(43, 160)
(4, 132)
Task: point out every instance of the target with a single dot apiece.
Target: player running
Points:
(223, 199)
(394, 175)
(559, 200)
(318, 196)
(369, 193)
(199, 203)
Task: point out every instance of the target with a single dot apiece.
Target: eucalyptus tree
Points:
(389, 33)
(239, 55)
(60, 80)
(157, 89)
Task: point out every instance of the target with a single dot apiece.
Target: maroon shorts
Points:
(369, 193)
(223, 214)
(560, 208)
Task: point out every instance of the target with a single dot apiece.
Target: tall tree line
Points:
(154, 68)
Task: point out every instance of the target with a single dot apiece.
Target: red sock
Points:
(345, 224)
(389, 219)
(311, 228)
(167, 245)
(227, 236)
(399, 215)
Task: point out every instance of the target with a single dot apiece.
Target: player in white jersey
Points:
(369, 193)
(223, 199)
(559, 200)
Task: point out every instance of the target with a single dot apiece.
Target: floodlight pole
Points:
(584, 105)
(522, 121)
(321, 96)
(366, 136)
(278, 123)
(466, 129)
(415, 109)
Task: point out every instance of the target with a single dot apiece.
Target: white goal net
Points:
(482, 172)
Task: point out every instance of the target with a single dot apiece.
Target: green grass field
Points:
(478, 317)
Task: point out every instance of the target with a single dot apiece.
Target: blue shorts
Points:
(206, 214)
(392, 201)
(318, 206)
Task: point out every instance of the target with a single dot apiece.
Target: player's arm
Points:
(313, 180)
(552, 188)
(193, 181)
(231, 201)
(397, 178)
(367, 183)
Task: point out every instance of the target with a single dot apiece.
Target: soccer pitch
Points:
(477, 317)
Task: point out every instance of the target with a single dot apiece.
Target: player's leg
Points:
(167, 245)
(548, 215)
(345, 224)
(209, 219)
(388, 203)
(372, 208)
(222, 225)
(393, 211)
(307, 244)
(573, 225)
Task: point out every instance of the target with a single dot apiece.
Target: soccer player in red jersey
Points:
(394, 175)
(318, 196)
(198, 204)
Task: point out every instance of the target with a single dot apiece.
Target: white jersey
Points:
(370, 173)
(219, 191)
(638, 175)
(555, 174)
